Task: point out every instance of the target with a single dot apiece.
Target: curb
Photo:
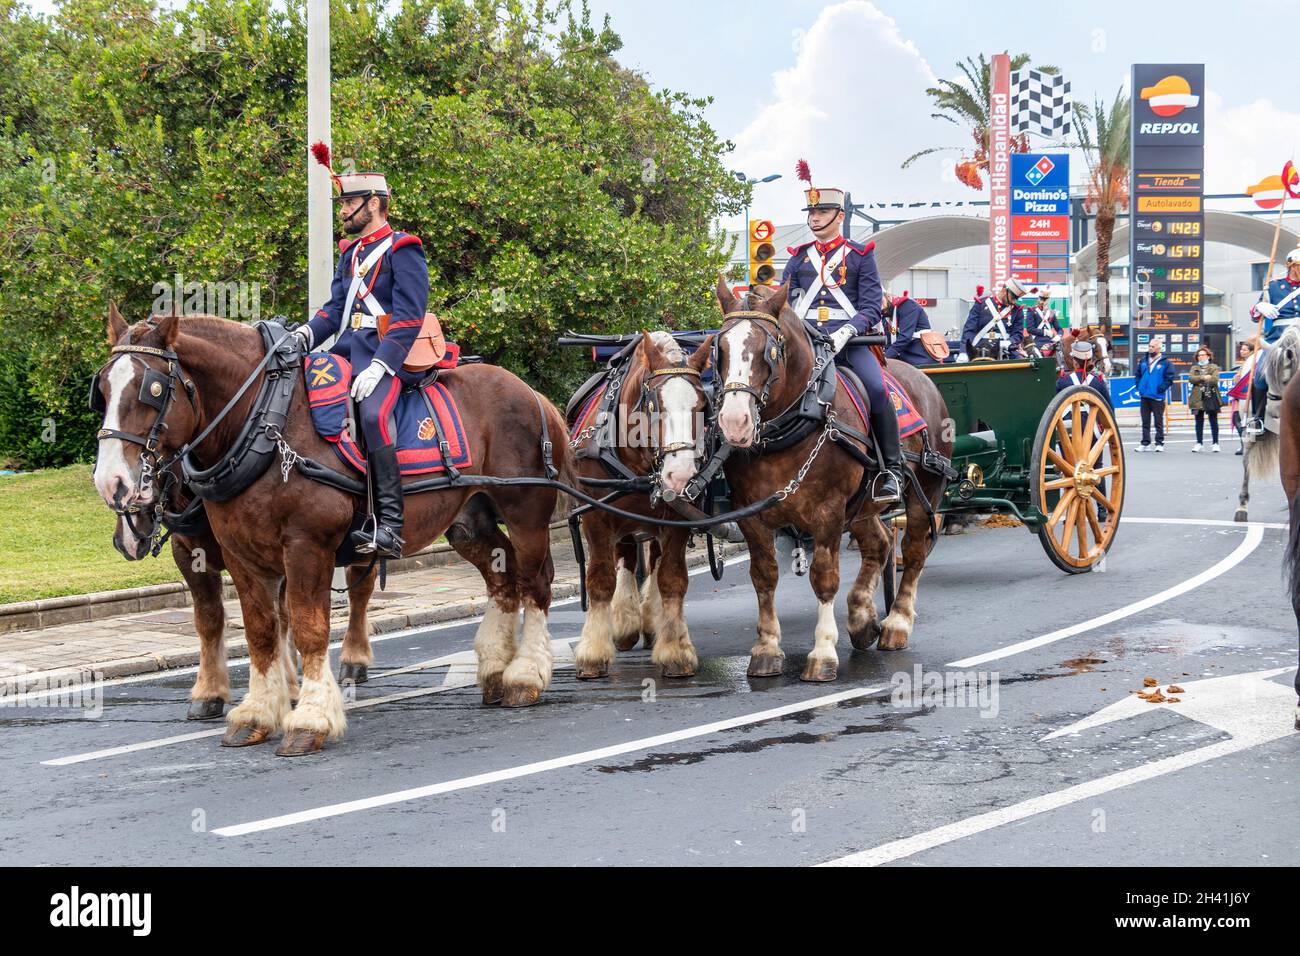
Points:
(237, 647)
(97, 605)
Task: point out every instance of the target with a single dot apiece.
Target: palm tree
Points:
(966, 103)
(1104, 137)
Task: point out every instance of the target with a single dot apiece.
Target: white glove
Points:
(365, 383)
(840, 337)
(1267, 309)
(304, 332)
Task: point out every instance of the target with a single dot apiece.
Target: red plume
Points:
(801, 170)
(979, 291)
(322, 154)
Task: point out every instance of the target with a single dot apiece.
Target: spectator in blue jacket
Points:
(1154, 376)
(909, 320)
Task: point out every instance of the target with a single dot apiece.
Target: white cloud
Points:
(1243, 144)
(854, 105)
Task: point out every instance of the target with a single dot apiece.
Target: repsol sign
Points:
(1169, 129)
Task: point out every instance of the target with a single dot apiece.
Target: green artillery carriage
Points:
(1016, 452)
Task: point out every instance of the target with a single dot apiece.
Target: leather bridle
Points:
(157, 390)
(773, 356)
(650, 394)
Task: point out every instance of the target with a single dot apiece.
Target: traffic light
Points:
(762, 270)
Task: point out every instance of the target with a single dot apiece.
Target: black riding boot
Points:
(884, 430)
(383, 533)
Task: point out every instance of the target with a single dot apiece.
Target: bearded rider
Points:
(839, 294)
(382, 271)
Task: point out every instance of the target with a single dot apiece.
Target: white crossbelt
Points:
(368, 300)
(996, 320)
(1044, 324)
(806, 301)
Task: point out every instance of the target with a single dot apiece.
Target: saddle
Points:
(425, 418)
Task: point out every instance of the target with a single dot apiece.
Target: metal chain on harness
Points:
(793, 484)
(288, 457)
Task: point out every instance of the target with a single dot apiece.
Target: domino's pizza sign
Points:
(1040, 184)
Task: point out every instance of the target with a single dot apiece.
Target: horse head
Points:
(149, 411)
(751, 361)
(671, 394)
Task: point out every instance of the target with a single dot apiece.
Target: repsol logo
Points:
(1169, 129)
(74, 909)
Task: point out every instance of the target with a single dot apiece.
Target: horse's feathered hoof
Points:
(865, 639)
(206, 709)
(678, 669)
(494, 689)
(820, 669)
(299, 743)
(521, 696)
(1241, 515)
(244, 735)
(593, 671)
(356, 673)
(765, 665)
(625, 642)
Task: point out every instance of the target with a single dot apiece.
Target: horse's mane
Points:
(1279, 362)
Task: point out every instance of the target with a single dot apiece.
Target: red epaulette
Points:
(406, 239)
(795, 250)
(345, 244)
(864, 249)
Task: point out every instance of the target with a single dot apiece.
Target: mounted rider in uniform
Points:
(996, 322)
(381, 273)
(1040, 324)
(835, 288)
(1279, 304)
(909, 321)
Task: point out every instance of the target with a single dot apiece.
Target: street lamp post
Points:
(744, 240)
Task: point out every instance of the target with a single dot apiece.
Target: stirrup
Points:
(1254, 428)
(878, 497)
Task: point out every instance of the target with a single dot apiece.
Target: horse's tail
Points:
(1262, 456)
(1292, 559)
(561, 456)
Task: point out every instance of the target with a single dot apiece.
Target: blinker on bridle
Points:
(157, 390)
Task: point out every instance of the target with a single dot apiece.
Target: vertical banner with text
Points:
(1000, 169)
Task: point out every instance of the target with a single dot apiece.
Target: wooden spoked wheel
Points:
(1077, 479)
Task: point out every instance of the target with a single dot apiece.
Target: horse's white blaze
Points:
(678, 428)
(734, 416)
(826, 634)
(110, 463)
(626, 606)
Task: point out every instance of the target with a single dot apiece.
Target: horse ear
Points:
(775, 302)
(116, 324)
(653, 358)
(699, 359)
(726, 301)
(169, 326)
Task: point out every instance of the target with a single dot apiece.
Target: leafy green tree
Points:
(552, 187)
(1105, 135)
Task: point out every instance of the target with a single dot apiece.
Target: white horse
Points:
(1278, 364)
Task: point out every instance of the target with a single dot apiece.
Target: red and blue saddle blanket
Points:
(329, 378)
(909, 419)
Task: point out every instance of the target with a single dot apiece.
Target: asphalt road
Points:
(724, 770)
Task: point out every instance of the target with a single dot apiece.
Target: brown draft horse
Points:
(660, 421)
(290, 528)
(767, 351)
(1289, 461)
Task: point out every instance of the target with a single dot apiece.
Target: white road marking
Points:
(1253, 537)
(1252, 708)
(460, 673)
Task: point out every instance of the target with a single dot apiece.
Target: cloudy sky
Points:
(842, 84)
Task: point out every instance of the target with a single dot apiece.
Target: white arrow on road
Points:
(1251, 708)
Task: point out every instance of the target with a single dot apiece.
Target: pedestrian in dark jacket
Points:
(1205, 398)
(1155, 375)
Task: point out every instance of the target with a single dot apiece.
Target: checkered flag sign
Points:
(1040, 103)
